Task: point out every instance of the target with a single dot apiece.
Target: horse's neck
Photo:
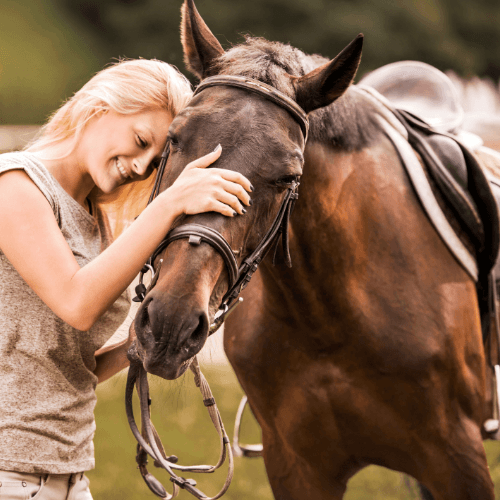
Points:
(355, 234)
(324, 231)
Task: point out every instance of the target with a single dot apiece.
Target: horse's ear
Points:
(199, 44)
(326, 83)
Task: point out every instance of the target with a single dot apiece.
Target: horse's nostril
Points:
(200, 333)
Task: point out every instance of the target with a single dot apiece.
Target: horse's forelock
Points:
(268, 62)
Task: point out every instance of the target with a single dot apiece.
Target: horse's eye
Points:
(287, 180)
(174, 140)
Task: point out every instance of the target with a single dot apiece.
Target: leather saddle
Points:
(426, 103)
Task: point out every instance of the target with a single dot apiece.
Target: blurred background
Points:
(50, 48)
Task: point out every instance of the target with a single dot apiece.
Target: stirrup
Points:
(247, 450)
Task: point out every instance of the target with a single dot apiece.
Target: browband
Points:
(262, 89)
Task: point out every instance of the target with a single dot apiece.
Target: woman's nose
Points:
(139, 166)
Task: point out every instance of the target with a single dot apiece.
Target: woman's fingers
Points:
(206, 160)
(231, 175)
(223, 209)
(231, 200)
(218, 201)
(237, 190)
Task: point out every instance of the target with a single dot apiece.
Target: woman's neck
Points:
(67, 169)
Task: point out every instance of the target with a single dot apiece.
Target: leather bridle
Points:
(238, 278)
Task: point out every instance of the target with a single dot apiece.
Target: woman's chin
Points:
(110, 186)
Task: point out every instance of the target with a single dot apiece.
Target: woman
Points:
(63, 283)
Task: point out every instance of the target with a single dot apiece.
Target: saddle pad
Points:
(458, 178)
(429, 203)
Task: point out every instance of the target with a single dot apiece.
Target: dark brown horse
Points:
(367, 351)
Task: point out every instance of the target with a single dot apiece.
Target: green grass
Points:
(185, 428)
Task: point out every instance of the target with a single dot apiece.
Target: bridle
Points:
(238, 278)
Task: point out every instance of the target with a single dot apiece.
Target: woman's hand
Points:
(199, 189)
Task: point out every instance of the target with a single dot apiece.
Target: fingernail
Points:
(235, 214)
(217, 148)
(252, 188)
(243, 210)
(250, 202)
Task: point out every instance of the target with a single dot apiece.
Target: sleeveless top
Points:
(47, 394)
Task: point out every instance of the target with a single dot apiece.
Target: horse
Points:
(369, 349)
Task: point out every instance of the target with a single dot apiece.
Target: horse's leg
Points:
(293, 478)
(414, 406)
(291, 447)
(459, 471)
(425, 493)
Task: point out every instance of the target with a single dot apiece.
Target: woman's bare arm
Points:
(113, 358)
(32, 241)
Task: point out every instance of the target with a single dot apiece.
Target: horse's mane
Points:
(348, 123)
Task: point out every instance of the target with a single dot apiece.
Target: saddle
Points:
(426, 104)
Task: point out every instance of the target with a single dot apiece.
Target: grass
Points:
(185, 428)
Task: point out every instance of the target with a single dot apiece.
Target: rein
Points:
(238, 278)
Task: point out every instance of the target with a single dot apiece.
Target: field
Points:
(186, 430)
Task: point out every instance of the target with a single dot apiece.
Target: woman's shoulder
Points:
(36, 171)
(24, 160)
(20, 158)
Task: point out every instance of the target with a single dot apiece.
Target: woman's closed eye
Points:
(141, 142)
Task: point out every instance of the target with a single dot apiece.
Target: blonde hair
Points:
(126, 87)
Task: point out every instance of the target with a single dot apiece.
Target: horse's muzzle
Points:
(169, 333)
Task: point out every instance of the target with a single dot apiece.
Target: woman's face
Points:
(117, 149)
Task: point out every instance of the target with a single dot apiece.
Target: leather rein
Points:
(238, 278)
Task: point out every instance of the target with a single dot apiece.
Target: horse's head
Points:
(260, 139)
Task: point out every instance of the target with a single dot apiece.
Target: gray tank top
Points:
(47, 395)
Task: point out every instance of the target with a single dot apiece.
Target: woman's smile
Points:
(118, 149)
(121, 170)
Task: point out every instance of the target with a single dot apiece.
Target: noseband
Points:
(238, 278)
